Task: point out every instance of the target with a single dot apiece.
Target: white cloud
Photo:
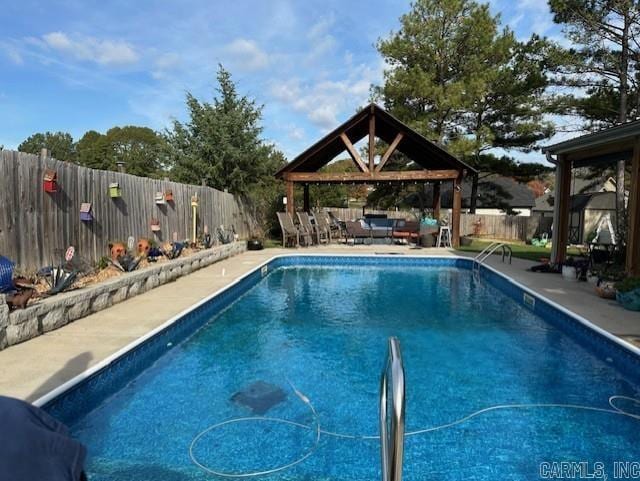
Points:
(325, 103)
(247, 55)
(90, 49)
(321, 42)
(296, 133)
(13, 54)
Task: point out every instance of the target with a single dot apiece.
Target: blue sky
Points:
(77, 65)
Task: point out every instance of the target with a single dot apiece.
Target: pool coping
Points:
(93, 370)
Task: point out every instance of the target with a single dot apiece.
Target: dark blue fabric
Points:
(34, 446)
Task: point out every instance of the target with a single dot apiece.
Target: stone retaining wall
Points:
(55, 312)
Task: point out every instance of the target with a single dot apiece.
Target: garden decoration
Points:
(20, 299)
(131, 243)
(50, 181)
(154, 253)
(542, 242)
(194, 208)
(628, 293)
(144, 246)
(127, 263)
(58, 278)
(115, 191)
(86, 213)
(116, 250)
(160, 198)
(61, 277)
(224, 236)
(173, 250)
(605, 289)
(207, 241)
(155, 225)
(168, 195)
(6, 275)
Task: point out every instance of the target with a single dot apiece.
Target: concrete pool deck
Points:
(35, 367)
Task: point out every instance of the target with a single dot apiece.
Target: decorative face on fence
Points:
(118, 249)
(143, 246)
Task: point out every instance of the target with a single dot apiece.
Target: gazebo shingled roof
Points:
(436, 163)
(425, 153)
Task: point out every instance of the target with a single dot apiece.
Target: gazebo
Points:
(606, 146)
(435, 164)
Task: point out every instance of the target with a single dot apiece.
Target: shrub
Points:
(628, 284)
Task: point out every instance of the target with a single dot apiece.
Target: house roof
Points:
(578, 202)
(423, 152)
(579, 185)
(607, 145)
(494, 192)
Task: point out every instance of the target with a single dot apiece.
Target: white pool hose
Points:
(614, 409)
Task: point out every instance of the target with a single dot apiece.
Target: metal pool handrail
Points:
(487, 251)
(392, 443)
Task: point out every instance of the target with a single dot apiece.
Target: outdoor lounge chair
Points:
(321, 235)
(354, 230)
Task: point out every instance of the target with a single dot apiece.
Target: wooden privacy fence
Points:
(35, 226)
(505, 227)
(353, 213)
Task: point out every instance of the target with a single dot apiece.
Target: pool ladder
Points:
(486, 252)
(392, 433)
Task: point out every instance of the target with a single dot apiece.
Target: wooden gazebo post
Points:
(455, 212)
(290, 206)
(436, 200)
(561, 211)
(633, 240)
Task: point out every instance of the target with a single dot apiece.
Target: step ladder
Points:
(488, 251)
(444, 237)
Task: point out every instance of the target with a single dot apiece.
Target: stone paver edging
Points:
(55, 312)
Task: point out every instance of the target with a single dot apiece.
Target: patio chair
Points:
(337, 224)
(290, 231)
(322, 223)
(305, 222)
(354, 230)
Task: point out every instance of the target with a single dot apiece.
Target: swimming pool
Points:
(497, 382)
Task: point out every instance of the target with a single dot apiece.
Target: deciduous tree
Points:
(59, 144)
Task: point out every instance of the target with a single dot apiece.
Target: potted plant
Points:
(628, 293)
(605, 287)
(569, 270)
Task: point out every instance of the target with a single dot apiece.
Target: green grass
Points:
(271, 243)
(520, 250)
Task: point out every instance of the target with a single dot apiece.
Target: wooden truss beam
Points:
(354, 153)
(390, 150)
(372, 142)
(371, 177)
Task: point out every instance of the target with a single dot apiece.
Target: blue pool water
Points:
(466, 347)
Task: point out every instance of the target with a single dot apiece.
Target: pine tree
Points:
(461, 81)
(603, 65)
